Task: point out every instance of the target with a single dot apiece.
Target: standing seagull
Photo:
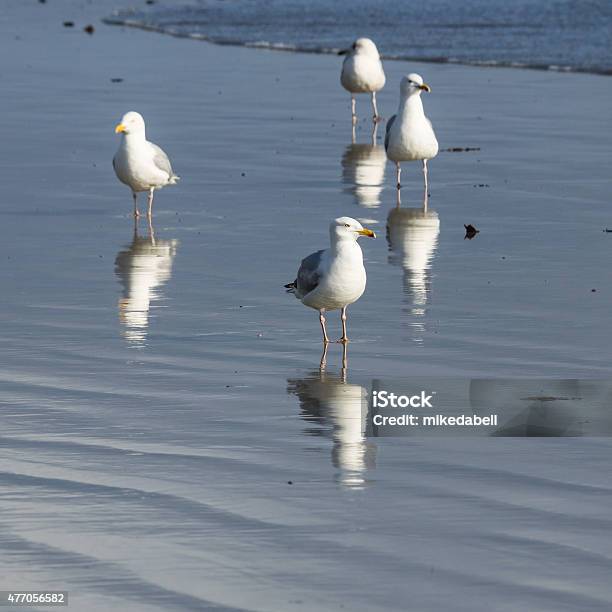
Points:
(335, 277)
(362, 72)
(410, 135)
(138, 163)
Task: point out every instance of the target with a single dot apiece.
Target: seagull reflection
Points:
(363, 168)
(412, 234)
(339, 410)
(142, 269)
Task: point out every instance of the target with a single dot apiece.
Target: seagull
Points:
(333, 278)
(138, 163)
(362, 72)
(410, 135)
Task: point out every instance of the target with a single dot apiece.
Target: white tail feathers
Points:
(173, 179)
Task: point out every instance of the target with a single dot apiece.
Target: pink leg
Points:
(376, 117)
(344, 338)
(136, 211)
(322, 321)
(426, 193)
(150, 209)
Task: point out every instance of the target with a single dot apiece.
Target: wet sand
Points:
(159, 394)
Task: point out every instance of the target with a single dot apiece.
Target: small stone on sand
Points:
(470, 231)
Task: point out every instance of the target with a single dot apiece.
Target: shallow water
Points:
(545, 34)
(159, 395)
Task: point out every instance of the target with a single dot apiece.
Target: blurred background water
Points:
(548, 34)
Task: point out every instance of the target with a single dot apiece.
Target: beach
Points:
(168, 441)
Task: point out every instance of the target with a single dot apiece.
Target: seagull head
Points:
(131, 123)
(413, 84)
(347, 228)
(363, 46)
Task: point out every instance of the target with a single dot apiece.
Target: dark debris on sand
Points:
(470, 231)
(461, 149)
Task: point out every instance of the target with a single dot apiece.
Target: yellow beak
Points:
(366, 232)
(425, 87)
(120, 128)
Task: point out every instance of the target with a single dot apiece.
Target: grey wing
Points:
(160, 159)
(388, 129)
(308, 275)
(344, 62)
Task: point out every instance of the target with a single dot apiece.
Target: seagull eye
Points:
(347, 225)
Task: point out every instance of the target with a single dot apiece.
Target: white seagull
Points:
(333, 278)
(362, 72)
(410, 135)
(138, 163)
